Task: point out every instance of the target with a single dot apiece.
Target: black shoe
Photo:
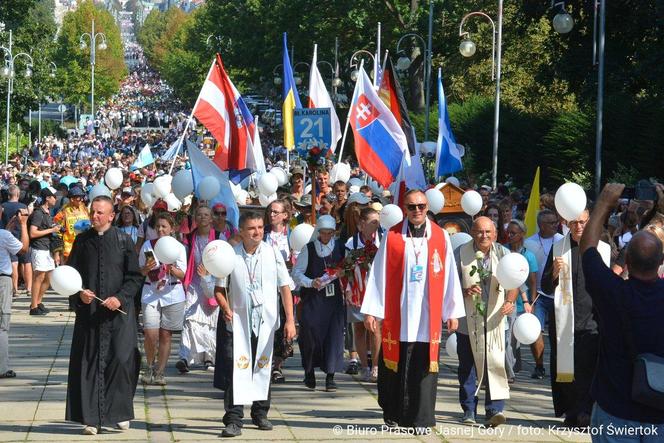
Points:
(232, 430)
(353, 368)
(330, 385)
(511, 380)
(391, 423)
(310, 380)
(538, 373)
(183, 367)
(262, 423)
(583, 420)
(43, 308)
(278, 377)
(570, 421)
(37, 311)
(468, 418)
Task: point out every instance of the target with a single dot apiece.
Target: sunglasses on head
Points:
(420, 206)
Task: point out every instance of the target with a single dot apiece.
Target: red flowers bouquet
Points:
(353, 271)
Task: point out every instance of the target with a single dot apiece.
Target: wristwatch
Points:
(509, 301)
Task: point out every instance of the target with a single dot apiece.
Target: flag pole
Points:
(343, 139)
(189, 120)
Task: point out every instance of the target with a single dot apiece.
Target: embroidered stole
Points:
(564, 307)
(253, 383)
(391, 329)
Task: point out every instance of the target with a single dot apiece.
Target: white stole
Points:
(252, 384)
(564, 307)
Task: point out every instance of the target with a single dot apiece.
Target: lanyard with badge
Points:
(416, 270)
(254, 285)
(326, 279)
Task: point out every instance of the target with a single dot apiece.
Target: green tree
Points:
(110, 68)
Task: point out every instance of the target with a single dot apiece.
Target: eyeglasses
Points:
(578, 222)
(272, 211)
(419, 206)
(219, 214)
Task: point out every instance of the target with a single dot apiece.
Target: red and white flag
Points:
(222, 111)
(320, 98)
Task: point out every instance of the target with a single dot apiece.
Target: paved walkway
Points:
(32, 406)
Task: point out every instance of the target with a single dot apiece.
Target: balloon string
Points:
(119, 310)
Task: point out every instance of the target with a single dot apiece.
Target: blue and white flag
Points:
(448, 155)
(201, 167)
(144, 158)
(173, 149)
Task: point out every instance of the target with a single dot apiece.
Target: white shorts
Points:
(169, 317)
(42, 260)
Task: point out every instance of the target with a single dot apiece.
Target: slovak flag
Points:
(448, 155)
(380, 144)
(221, 109)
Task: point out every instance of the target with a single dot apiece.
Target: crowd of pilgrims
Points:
(52, 180)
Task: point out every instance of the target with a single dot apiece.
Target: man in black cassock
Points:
(571, 397)
(105, 360)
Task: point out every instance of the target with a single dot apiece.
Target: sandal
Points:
(8, 374)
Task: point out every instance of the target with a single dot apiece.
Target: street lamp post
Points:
(92, 36)
(9, 72)
(355, 62)
(297, 78)
(277, 80)
(467, 49)
(404, 62)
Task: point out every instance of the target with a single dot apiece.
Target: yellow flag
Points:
(533, 206)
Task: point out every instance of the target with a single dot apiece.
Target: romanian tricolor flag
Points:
(291, 99)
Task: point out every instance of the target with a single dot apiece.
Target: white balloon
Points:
(162, 186)
(570, 201)
(428, 147)
(436, 200)
(452, 180)
(99, 189)
(167, 250)
(183, 183)
(66, 280)
(340, 172)
(512, 270)
(282, 177)
(173, 202)
(460, 238)
(265, 200)
(352, 189)
(355, 181)
(390, 215)
(208, 188)
(147, 194)
(113, 178)
(241, 197)
(300, 236)
(307, 189)
(219, 258)
(440, 186)
(268, 184)
(471, 202)
(526, 328)
(451, 346)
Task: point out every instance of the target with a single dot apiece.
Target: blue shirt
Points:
(643, 304)
(532, 267)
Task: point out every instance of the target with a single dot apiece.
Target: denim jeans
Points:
(607, 428)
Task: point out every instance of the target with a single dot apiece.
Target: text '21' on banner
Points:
(312, 128)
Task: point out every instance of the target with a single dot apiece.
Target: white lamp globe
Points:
(563, 22)
(467, 48)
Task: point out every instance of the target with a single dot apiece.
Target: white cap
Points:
(326, 222)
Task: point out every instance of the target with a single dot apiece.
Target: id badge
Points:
(329, 290)
(416, 273)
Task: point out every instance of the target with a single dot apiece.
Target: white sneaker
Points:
(374, 374)
(366, 374)
(90, 430)
(123, 425)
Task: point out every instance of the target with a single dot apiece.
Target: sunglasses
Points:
(419, 206)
